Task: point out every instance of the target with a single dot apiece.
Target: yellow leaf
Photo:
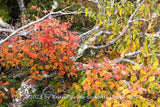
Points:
(142, 71)
(134, 35)
(82, 83)
(17, 94)
(120, 88)
(125, 91)
(136, 67)
(143, 78)
(158, 99)
(110, 37)
(100, 22)
(143, 51)
(150, 26)
(101, 105)
(130, 12)
(60, 101)
(120, 11)
(103, 72)
(133, 78)
(152, 78)
(133, 47)
(77, 87)
(109, 104)
(144, 105)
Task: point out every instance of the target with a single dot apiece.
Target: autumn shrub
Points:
(114, 85)
(124, 72)
(49, 47)
(130, 75)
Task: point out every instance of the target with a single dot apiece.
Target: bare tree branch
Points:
(88, 32)
(146, 20)
(4, 24)
(157, 34)
(34, 22)
(6, 30)
(5, 89)
(118, 60)
(132, 54)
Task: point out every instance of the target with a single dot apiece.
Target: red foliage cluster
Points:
(50, 46)
(96, 73)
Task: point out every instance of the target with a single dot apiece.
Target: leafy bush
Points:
(119, 68)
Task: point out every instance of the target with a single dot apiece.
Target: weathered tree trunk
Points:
(24, 92)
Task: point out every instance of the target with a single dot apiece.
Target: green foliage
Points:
(36, 102)
(4, 12)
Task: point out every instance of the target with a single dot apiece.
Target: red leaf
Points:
(62, 72)
(95, 86)
(69, 53)
(106, 59)
(1, 100)
(74, 45)
(117, 77)
(40, 39)
(33, 7)
(43, 59)
(51, 51)
(74, 71)
(32, 55)
(107, 76)
(25, 50)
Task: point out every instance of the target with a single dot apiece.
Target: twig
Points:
(88, 32)
(132, 54)
(4, 88)
(118, 60)
(6, 30)
(157, 34)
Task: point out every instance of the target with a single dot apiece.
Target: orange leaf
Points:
(37, 72)
(47, 67)
(87, 87)
(32, 55)
(25, 50)
(143, 51)
(39, 77)
(123, 53)
(13, 91)
(138, 58)
(5, 84)
(95, 86)
(88, 72)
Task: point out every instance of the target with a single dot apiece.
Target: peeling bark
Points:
(24, 92)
